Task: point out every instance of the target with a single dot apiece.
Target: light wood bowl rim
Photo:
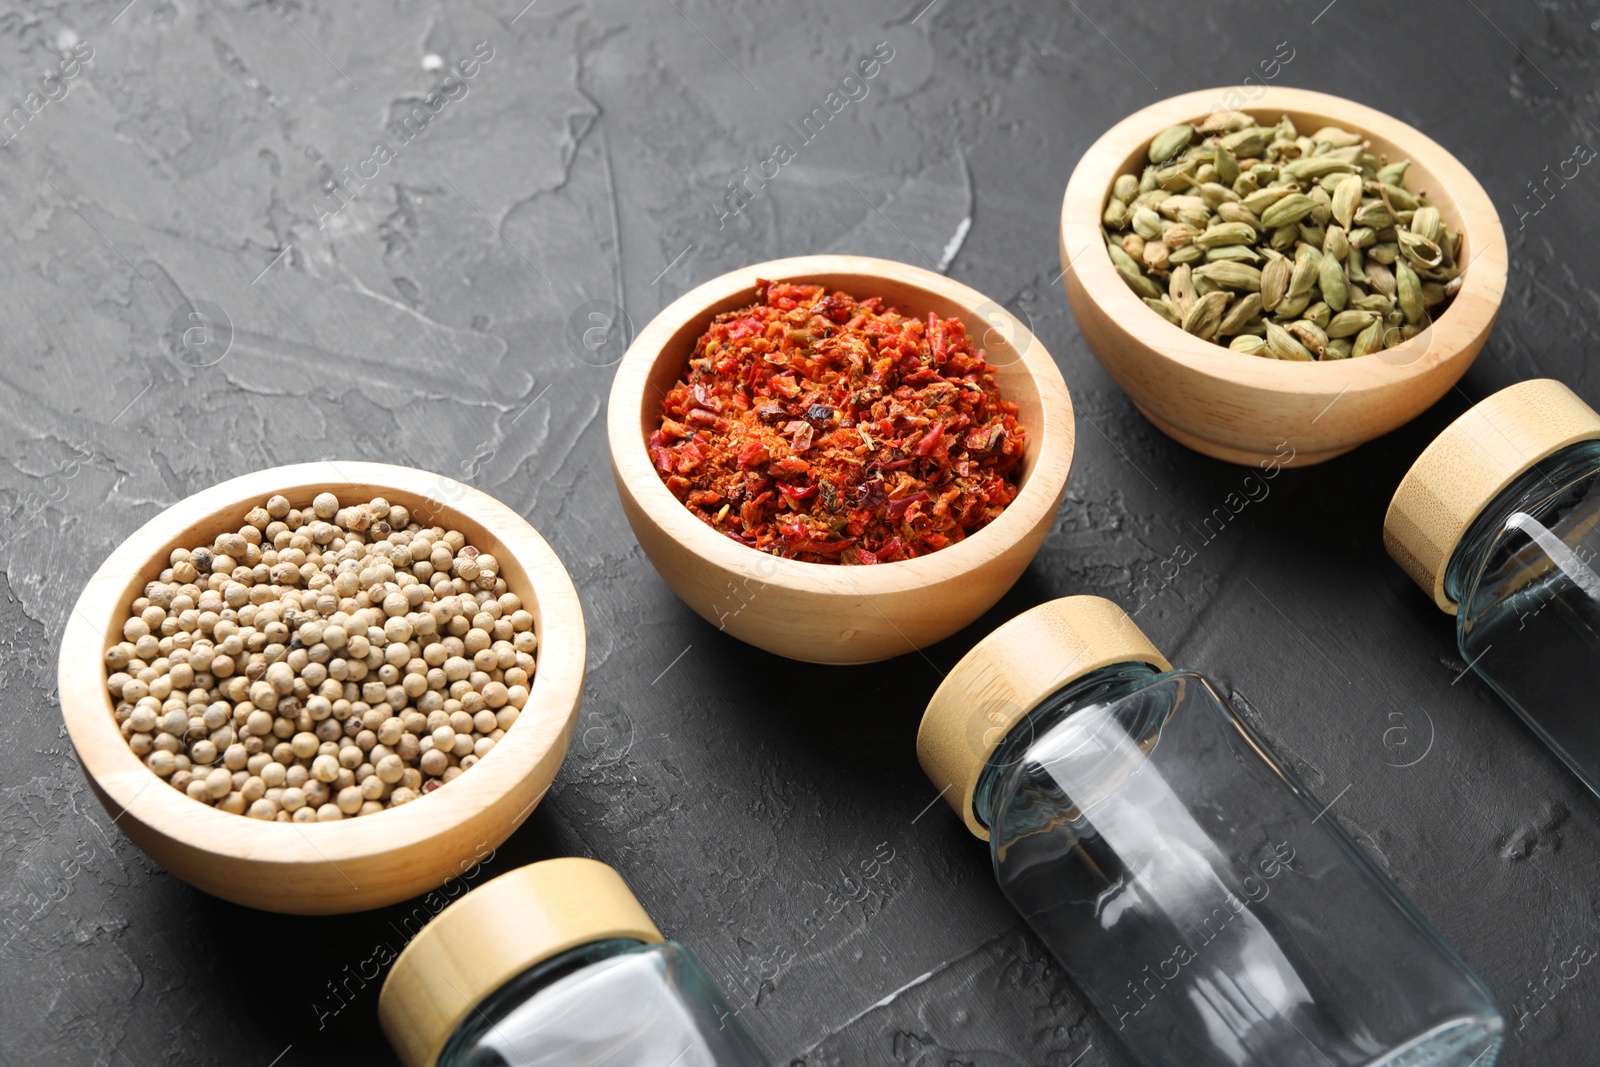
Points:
(1082, 239)
(628, 425)
(139, 794)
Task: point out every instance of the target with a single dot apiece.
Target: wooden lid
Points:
(1469, 464)
(493, 934)
(1007, 675)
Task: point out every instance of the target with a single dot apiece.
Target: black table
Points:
(432, 314)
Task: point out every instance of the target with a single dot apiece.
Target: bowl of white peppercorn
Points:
(320, 688)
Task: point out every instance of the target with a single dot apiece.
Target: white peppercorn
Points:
(320, 663)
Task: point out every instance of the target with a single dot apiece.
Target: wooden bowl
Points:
(836, 613)
(1248, 409)
(353, 864)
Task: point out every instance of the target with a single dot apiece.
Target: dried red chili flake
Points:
(822, 428)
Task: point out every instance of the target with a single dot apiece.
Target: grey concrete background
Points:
(434, 316)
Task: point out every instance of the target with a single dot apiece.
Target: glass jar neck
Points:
(1097, 687)
(1526, 494)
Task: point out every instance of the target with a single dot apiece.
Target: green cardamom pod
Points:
(1176, 177)
(1116, 214)
(1244, 309)
(1129, 269)
(1281, 344)
(1172, 206)
(1394, 173)
(1180, 289)
(1250, 345)
(1290, 209)
(1247, 143)
(1312, 167)
(1226, 233)
(1309, 335)
(1205, 317)
(1293, 305)
(1147, 224)
(1381, 279)
(1160, 308)
(1419, 250)
(1274, 282)
(1312, 235)
(1233, 254)
(1322, 207)
(1398, 198)
(1227, 166)
(1225, 120)
(1374, 213)
(1125, 188)
(1368, 340)
(1385, 252)
(1408, 291)
(1120, 258)
(1330, 278)
(1216, 194)
(1449, 242)
(1355, 266)
(1189, 253)
(1349, 323)
(1170, 141)
(1156, 257)
(1262, 199)
(1345, 199)
(1337, 349)
(1337, 137)
(1336, 243)
(1239, 276)
(1240, 213)
(1307, 269)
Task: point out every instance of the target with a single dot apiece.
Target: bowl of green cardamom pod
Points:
(1280, 282)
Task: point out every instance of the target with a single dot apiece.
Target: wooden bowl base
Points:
(1243, 457)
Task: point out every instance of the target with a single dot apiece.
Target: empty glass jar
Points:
(1499, 521)
(552, 965)
(1206, 904)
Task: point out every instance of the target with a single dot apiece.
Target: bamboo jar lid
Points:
(1471, 463)
(1007, 675)
(493, 934)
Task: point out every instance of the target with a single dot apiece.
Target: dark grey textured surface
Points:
(739, 793)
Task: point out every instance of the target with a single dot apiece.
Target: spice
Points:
(322, 662)
(830, 430)
(1279, 244)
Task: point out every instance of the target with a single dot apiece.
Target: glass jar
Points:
(552, 965)
(1206, 904)
(1499, 521)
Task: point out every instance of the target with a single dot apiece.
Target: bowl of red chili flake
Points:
(839, 459)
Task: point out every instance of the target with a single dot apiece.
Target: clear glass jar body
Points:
(1204, 902)
(617, 1003)
(1528, 595)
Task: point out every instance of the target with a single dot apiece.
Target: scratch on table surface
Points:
(893, 995)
